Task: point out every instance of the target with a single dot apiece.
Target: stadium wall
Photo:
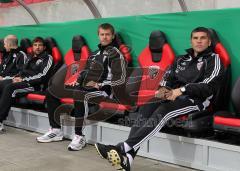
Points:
(68, 10)
(135, 31)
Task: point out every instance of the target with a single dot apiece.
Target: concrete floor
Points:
(20, 152)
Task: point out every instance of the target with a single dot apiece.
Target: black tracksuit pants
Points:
(153, 116)
(8, 90)
(55, 108)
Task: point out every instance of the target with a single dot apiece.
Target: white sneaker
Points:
(78, 142)
(2, 130)
(52, 135)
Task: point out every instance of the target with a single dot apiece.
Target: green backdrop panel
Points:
(135, 31)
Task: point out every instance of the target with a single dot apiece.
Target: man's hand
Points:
(92, 84)
(162, 93)
(74, 83)
(17, 79)
(1, 78)
(173, 94)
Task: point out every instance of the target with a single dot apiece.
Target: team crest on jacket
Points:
(199, 65)
(38, 61)
(153, 71)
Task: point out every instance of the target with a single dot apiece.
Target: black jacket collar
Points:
(206, 52)
(113, 44)
(44, 53)
(14, 50)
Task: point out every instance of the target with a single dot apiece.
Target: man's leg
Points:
(143, 114)
(55, 133)
(3, 83)
(79, 141)
(52, 104)
(159, 118)
(80, 112)
(6, 97)
(149, 127)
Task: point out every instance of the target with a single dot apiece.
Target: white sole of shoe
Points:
(51, 140)
(115, 160)
(70, 148)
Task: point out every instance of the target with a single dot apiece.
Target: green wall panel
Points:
(136, 29)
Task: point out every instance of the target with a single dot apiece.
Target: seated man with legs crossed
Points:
(188, 86)
(33, 74)
(105, 68)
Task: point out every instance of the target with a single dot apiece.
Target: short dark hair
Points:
(106, 26)
(39, 39)
(201, 29)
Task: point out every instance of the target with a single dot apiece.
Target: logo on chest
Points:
(180, 68)
(199, 65)
(39, 61)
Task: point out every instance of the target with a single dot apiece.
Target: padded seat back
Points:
(224, 93)
(51, 47)
(76, 58)
(26, 46)
(226, 121)
(124, 49)
(154, 60)
(236, 97)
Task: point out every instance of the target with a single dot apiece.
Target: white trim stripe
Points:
(23, 90)
(163, 121)
(216, 69)
(45, 70)
(123, 76)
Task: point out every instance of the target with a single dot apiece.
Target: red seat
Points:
(124, 49)
(153, 61)
(75, 60)
(53, 49)
(26, 45)
(225, 121)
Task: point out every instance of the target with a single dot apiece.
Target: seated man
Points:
(13, 60)
(188, 86)
(105, 68)
(34, 73)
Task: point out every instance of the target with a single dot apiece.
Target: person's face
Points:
(200, 42)
(38, 48)
(6, 45)
(105, 36)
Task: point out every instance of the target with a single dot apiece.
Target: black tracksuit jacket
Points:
(12, 63)
(106, 66)
(202, 75)
(37, 69)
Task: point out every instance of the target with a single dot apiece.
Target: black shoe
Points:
(103, 150)
(118, 160)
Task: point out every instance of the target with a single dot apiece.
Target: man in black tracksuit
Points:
(189, 86)
(105, 69)
(33, 74)
(13, 59)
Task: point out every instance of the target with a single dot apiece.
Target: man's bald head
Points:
(10, 42)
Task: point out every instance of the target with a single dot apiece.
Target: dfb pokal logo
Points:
(153, 71)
